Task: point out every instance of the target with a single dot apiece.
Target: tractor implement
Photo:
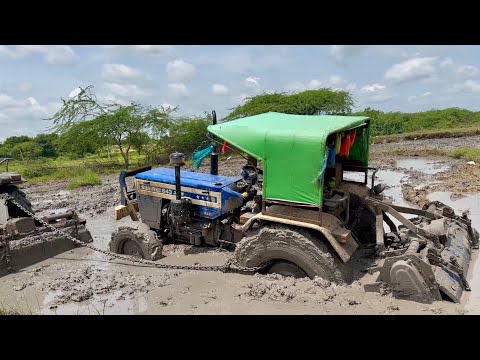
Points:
(24, 240)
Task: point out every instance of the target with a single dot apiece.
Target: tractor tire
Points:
(284, 244)
(20, 197)
(362, 221)
(138, 241)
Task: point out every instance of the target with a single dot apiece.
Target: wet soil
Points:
(439, 144)
(83, 282)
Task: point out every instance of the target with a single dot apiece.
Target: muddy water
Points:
(426, 166)
(470, 203)
(101, 228)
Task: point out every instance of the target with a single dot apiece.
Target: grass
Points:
(88, 178)
(81, 171)
(467, 154)
(428, 134)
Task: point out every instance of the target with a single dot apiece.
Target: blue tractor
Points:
(300, 216)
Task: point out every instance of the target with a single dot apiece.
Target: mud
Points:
(80, 281)
(82, 284)
(441, 143)
(89, 201)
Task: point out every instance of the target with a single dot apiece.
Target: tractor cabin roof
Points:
(292, 149)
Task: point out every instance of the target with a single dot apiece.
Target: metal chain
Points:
(229, 266)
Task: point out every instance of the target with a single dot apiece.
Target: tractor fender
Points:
(341, 239)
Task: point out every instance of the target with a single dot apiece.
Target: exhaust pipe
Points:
(214, 155)
(177, 160)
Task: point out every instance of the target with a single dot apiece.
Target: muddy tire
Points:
(362, 221)
(19, 197)
(137, 241)
(282, 243)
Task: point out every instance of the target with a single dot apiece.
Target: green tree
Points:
(6, 148)
(47, 143)
(310, 102)
(110, 122)
(140, 141)
(80, 139)
(27, 150)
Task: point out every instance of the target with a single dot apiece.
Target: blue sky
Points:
(200, 78)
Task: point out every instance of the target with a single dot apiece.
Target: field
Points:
(85, 282)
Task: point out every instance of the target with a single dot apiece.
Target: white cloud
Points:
(150, 50)
(375, 93)
(121, 73)
(295, 86)
(414, 98)
(446, 62)
(335, 82)
(180, 71)
(33, 101)
(219, 89)
(412, 69)
(74, 92)
(373, 88)
(52, 54)
(165, 105)
(124, 92)
(467, 70)
(314, 84)
(469, 86)
(344, 53)
(252, 82)
(27, 115)
(351, 87)
(179, 90)
(7, 101)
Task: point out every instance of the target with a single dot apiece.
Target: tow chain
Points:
(229, 266)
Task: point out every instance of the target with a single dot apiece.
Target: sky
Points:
(199, 78)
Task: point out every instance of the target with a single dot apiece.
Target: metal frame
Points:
(381, 207)
(6, 160)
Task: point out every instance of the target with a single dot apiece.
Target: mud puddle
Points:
(426, 166)
(101, 228)
(392, 178)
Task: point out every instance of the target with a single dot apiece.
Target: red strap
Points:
(224, 147)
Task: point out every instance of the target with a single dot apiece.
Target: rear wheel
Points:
(137, 241)
(362, 221)
(294, 252)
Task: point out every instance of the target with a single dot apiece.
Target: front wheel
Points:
(140, 242)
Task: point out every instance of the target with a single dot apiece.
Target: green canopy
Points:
(292, 149)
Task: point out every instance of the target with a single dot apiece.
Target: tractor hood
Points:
(292, 149)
